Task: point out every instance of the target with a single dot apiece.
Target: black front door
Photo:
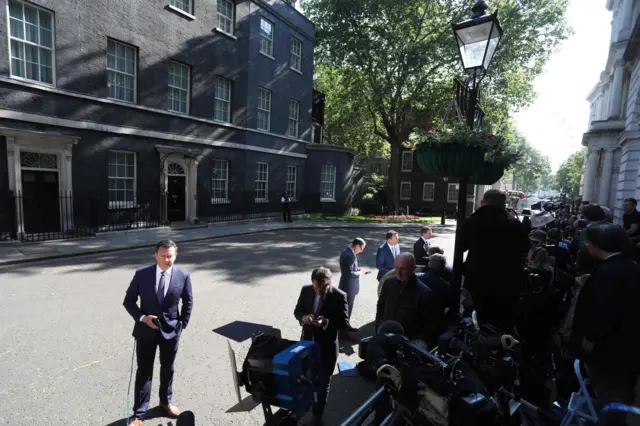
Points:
(40, 201)
(176, 206)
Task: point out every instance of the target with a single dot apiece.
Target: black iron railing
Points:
(248, 205)
(65, 216)
(62, 216)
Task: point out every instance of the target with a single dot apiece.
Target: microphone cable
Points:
(128, 414)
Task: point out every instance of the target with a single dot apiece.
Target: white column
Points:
(192, 193)
(626, 16)
(590, 176)
(605, 179)
(616, 91)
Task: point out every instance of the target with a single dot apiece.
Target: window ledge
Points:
(406, 171)
(268, 56)
(217, 201)
(428, 201)
(405, 199)
(261, 200)
(123, 206)
(327, 200)
(180, 12)
(295, 70)
(223, 32)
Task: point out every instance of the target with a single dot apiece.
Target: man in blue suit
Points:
(350, 272)
(387, 254)
(160, 288)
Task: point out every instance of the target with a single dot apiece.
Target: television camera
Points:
(280, 373)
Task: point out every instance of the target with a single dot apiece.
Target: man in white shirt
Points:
(158, 324)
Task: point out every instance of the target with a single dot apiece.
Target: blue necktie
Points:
(161, 287)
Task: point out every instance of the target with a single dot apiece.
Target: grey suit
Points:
(349, 276)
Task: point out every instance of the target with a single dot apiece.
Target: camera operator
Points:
(322, 311)
(605, 322)
(494, 269)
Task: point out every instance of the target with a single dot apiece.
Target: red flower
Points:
(489, 137)
(428, 129)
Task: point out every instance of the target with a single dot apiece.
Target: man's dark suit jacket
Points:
(143, 286)
(414, 306)
(349, 275)
(333, 307)
(384, 260)
(420, 252)
(607, 314)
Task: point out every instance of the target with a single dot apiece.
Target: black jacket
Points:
(414, 306)
(607, 315)
(497, 246)
(333, 307)
(420, 251)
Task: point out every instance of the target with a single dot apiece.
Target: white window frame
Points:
(221, 16)
(294, 119)
(404, 161)
(268, 40)
(402, 185)
(449, 200)
(173, 3)
(124, 204)
(323, 174)
(433, 191)
(134, 75)
(188, 89)
(23, 42)
(265, 181)
(217, 100)
(267, 112)
(291, 182)
(296, 56)
(214, 178)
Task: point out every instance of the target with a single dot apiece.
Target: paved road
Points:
(65, 339)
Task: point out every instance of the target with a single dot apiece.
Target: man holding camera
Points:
(322, 311)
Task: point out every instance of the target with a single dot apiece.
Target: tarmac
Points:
(16, 252)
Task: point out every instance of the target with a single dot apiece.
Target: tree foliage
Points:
(395, 61)
(532, 169)
(567, 178)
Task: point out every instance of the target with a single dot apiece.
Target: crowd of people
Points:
(581, 270)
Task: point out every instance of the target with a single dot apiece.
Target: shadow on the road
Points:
(186, 418)
(246, 405)
(243, 259)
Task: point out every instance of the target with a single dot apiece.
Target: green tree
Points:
(347, 119)
(567, 178)
(531, 167)
(397, 60)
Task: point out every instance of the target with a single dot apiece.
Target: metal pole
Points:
(462, 203)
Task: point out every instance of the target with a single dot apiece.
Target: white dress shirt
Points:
(316, 303)
(395, 250)
(167, 279)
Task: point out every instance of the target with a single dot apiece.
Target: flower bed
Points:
(397, 217)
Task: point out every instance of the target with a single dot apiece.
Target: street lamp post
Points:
(477, 40)
(443, 220)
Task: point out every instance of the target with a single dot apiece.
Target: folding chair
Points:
(581, 406)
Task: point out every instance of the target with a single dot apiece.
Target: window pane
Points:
(121, 71)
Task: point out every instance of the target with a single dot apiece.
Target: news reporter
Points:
(160, 288)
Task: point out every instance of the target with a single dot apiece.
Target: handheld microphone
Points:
(156, 322)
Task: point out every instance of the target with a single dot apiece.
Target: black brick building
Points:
(111, 103)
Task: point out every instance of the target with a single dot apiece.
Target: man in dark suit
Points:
(322, 311)
(408, 301)
(422, 245)
(387, 253)
(160, 288)
(350, 272)
(489, 234)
